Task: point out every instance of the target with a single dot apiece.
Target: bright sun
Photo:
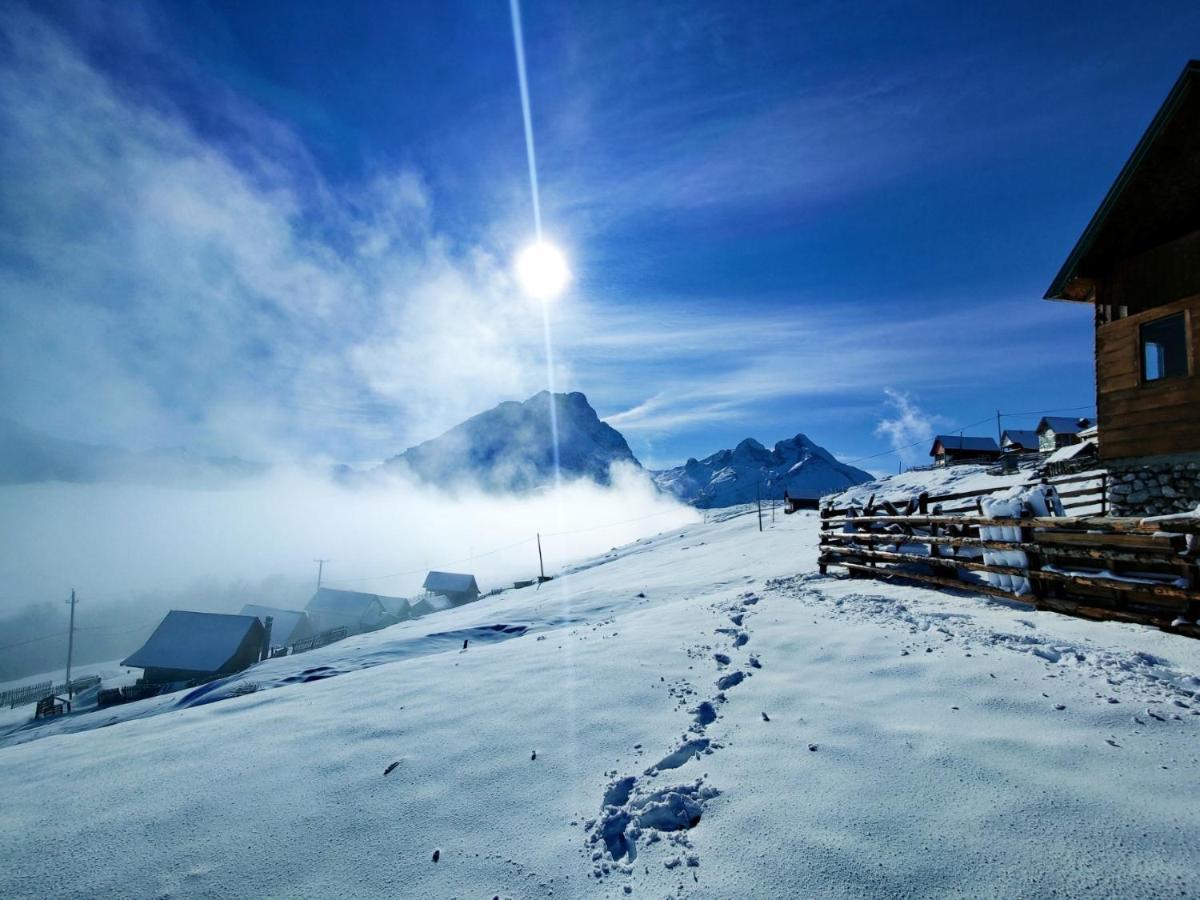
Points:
(542, 271)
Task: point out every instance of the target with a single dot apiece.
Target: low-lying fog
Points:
(132, 552)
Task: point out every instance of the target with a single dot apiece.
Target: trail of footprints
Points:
(634, 807)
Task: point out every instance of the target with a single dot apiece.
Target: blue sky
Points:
(286, 230)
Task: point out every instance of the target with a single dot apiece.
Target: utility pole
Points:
(541, 564)
(999, 431)
(320, 569)
(758, 500)
(71, 642)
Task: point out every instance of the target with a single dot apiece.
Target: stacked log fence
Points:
(1090, 565)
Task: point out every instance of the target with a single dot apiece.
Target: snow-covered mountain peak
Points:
(510, 447)
(729, 477)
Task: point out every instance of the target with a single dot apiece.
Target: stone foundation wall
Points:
(1154, 486)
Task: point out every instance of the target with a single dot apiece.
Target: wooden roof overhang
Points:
(1155, 199)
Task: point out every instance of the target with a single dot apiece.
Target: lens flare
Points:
(542, 271)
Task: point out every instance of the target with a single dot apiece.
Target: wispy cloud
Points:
(906, 424)
(161, 285)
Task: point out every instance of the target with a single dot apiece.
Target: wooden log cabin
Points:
(1138, 263)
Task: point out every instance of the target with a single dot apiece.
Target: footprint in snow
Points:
(725, 682)
(721, 658)
(685, 753)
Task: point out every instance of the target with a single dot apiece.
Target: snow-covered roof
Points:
(193, 641)
(432, 603)
(1062, 425)
(284, 622)
(958, 442)
(450, 583)
(1027, 439)
(1062, 454)
(344, 603)
(397, 606)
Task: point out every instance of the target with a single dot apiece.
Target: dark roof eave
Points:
(1067, 285)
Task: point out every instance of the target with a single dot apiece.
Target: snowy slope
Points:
(730, 477)
(696, 714)
(509, 448)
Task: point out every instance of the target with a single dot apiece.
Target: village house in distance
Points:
(195, 646)
(1138, 264)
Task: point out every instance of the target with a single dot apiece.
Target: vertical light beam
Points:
(514, 7)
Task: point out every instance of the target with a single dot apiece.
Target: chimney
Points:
(265, 653)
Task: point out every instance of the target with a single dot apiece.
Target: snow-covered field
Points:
(695, 714)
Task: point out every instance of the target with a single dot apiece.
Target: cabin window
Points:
(1164, 348)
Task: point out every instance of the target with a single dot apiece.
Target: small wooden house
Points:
(948, 449)
(456, 587)
(355, 611)
(287, 625)
(1138, 264)
(187, 646)
(431, 603)
(1056, 432)
(1019, 441)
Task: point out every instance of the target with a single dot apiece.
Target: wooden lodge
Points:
(1138, 263)
(949, 449)
(458, 588)
(196, 646)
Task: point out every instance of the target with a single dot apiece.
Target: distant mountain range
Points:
(730, 477)
(506, 449)
(509, 448)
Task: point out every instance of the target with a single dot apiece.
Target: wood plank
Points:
(1165, 543)
(1167, 557)
(954, 584)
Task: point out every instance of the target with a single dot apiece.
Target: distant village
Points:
(191, 647)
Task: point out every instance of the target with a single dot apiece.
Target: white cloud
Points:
(907, 425)
(162, 286)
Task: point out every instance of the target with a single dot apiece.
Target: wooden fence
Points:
(1093, 566)
(318, 640)
(28, 693)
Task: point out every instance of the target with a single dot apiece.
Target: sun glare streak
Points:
(514, 7)
(546, 269)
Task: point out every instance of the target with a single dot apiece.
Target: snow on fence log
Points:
(1102, 567)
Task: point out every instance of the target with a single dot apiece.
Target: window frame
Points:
(1185, 323)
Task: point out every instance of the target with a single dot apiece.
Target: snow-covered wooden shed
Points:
(1059, 431)
(191, 645)
(287, 625)
(431, 603)
(355, 611)
(457, 587)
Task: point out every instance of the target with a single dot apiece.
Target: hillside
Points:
(695, 714)
(730, 477)
(509, 447)
(28, 456)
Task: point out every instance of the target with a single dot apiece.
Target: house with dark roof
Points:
(457, 587)
(1054, 432)
(355, 611)
(1137, 267)
(1018, 440)
(190, 646)
(287, 625)
(948, 449)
